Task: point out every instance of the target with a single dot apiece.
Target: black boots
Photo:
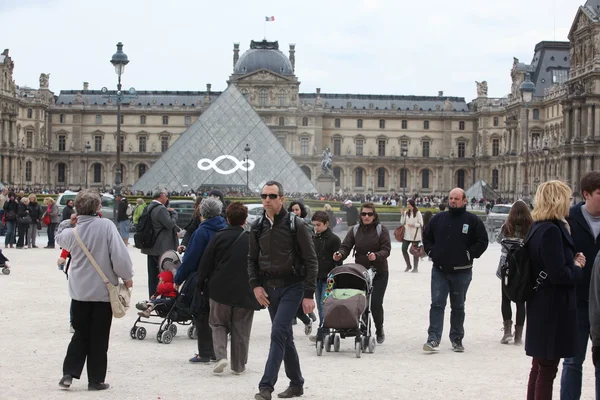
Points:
(508, 336)
(416, 264)
(407, 260)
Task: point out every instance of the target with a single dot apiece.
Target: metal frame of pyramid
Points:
(210, 153)
(481, 190)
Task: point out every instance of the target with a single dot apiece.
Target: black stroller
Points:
(4, 264)
(170, 315)
(347, 309)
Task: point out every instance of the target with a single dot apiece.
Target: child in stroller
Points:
(4, 264)
(164, 297)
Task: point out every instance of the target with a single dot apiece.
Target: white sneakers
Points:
(220, 366)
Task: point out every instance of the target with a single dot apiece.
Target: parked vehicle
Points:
(185, 210)
(107, 209)
(498, 215)
(254, 211)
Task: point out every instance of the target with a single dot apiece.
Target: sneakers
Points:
(220, 366)
(199, 360)
(380, 336)
(263, 394)
(291, 391)
(238, 372)
(66, 381)
(308, 328)
(431, 346)
(142, 306)
(98, 386)
(457, 346)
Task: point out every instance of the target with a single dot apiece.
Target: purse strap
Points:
(416, 232)
(90, 256)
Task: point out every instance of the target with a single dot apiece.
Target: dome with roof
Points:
(264, 55)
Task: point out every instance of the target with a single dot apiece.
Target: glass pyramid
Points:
(210, 153)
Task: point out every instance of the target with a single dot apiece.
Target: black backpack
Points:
(519, 281)
(144, 236)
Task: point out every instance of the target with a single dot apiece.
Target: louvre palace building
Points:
(69, 140)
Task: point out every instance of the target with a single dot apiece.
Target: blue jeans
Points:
(11, 228)
(284, 303)
(443, 284)
(320, 294)
(570, 381)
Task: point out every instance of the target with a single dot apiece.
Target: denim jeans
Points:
(443, 284)
(11, 228)
(572, 373)
(320, 294)
(284, 302)
(51, 233)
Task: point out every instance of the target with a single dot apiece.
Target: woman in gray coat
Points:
(90, 305)
(52, 211)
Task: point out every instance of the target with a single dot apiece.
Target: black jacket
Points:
(22, 211)
(223, 263)
(35, 212)
(122, 210)
(10, 210)
(586, 243)
(272, 261)
(454, 239)
(189, 230)
(67, 212)
(351, 214)
(326, 244)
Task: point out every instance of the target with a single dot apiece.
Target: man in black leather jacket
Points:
(282, 271)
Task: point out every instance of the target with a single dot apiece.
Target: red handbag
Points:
(415, 249)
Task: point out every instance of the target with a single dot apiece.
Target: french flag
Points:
(269, 19)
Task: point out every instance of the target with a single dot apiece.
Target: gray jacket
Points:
(102, 239)
(164, 225)
(54, 214)
(595, 302)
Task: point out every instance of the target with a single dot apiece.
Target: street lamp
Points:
(87, 159)
(404, 153)
(247, 150)
(527, 88)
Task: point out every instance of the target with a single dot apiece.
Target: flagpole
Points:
(265, 29)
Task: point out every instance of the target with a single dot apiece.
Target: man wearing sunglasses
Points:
(282, 270)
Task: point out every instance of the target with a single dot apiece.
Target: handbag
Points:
(46, 219)
(119, 295)
(417, 249)
(399, 233)
(26, 220)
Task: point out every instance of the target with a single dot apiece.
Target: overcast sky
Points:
(352, 46)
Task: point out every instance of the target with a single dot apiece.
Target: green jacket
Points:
(137, 213)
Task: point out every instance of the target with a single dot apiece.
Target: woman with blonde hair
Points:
(52, 212)
(332, 221)
(552, 312)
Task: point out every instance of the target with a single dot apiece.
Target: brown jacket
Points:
(366, 241)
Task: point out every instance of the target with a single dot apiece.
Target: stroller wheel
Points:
(173, 329)
(327, 343)
(319, 347)
(357, 349)
(159, 336)
(364, 343)
(167, 337)
(190, 332)
(133, 332)
(141, 333)
(372, 344)
(336, 343)
(6, 271)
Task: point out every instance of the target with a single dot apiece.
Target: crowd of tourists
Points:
(270, 265)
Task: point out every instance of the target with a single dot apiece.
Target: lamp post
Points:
(87, 159)
(404, 153)
(527, 88)
(247, 150)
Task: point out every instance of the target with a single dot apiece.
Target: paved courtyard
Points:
(35, 322)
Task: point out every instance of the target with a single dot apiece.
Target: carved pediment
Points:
(426, 139)
(581, 21)
(461, 139)
(383, 137)
(264, 75)
(403, 138)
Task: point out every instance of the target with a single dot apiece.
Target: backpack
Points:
(519, 282)
(129, 211)
(144, 236)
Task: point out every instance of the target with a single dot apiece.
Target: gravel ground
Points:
(35, 336)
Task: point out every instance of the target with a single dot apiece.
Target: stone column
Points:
(2, 132)
(590, 122)
(567, 122)
(596, 124)
(575, 173)
(589, 166)
(577, 135)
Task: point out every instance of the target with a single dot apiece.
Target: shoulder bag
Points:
(119, 295)
(399, 232)
(416, 248)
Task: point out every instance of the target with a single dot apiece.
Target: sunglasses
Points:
(271, 196)
(367, 214)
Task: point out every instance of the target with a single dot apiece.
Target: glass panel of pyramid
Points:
(220, 134)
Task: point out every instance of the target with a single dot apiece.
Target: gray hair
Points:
(87, 202)
(210, 207)
(157, 192)
(140, 201)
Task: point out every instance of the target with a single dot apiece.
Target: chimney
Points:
(293, 56)
(318, 90)
(208, 86)
(236, 53)
(86, 86)
(440, 93)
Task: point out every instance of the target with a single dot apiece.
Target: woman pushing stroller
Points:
(372, 245)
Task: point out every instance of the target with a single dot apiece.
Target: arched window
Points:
(28, 168)
(495, 176)
(62, 173)
(141, 170)
(381, 177)
(281, 97)
(304, 121)
(29, 139)
(403, 177)
(425, 179)
(97, 173)
(337, 174)
(460, 178)
(262, 97)
(306, 171)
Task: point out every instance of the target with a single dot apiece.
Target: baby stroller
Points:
(4, 264)
(169, 315)
(347, 309)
